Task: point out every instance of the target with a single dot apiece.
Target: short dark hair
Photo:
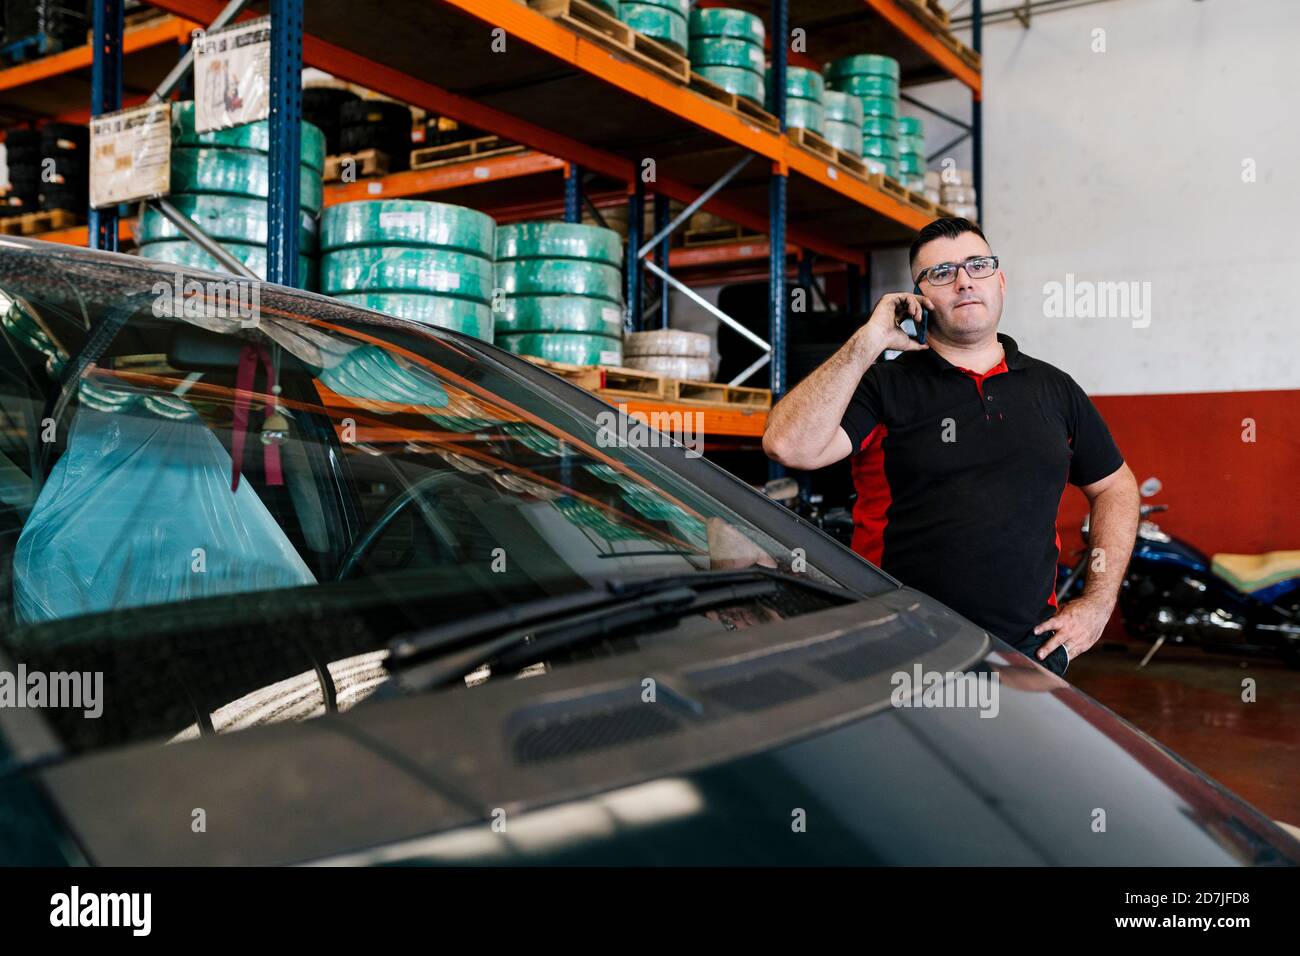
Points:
(950, 227)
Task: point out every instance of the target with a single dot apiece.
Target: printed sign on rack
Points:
(232, 75)
(130, 155)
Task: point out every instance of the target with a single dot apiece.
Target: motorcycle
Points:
(837, 522)
(1174, 593)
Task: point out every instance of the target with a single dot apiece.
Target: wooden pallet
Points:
(718, 393)
(479, 148)
(606, 378)
(618, 382)
(712, 237)
(823, 149)
(919, 201)
(370, 162)
(936, 18)
(742, 107)
(609, 31)
(35, 223)
(891, 186)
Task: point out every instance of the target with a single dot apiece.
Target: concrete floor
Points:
(1191, 702)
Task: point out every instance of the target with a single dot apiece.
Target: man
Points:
(962, 448)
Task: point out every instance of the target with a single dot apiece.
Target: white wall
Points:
(1127, 166)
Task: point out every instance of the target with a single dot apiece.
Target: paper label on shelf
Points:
(400, 220)
(130, 155)
(374, 188)
(608, 357)
(482, 172)
(832, 172)
(232, 75)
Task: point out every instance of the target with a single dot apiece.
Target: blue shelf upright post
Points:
(283, 209)
(779, 31)
(105, 97)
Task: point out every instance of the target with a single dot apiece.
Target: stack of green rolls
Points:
(426, 262)
(662, 20)
(843, 121)
(911, 153)
(873, 79)
(221, 180)
(563, 292)
(803, 98)
(727, 49)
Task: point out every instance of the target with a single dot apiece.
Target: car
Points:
(287, 581)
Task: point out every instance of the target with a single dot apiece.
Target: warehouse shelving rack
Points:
(794, 198)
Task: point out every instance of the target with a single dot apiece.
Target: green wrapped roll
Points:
(658, 23)
(863, 85)
(864, 64)
(407, 222)
(727, 51)
(910, 164)
(559, 313)
(878, 105)
(880, 146)
(734, 80)
(445, 312)
(806, 114)
(910, 144)
(236, 172)
(251, 136)
(187, 255)
(801, 83)
(575, 348)
(725, 22)
(910, 126)
(680, 7)
(880, 126)
(224, 218)
(560, 277)
(407, 269)
(610, 6)
(891, 167)
(844, 136)
(559, 240)
(842, 108)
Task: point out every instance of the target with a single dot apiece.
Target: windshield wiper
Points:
(513, 637)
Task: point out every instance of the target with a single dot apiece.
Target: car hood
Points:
(1047, 776)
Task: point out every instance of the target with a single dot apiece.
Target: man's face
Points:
(966, 309)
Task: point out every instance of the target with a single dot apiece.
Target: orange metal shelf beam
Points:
(928, 43)
(718, 420)
(78, 235)
(167, 30)
(417, 182)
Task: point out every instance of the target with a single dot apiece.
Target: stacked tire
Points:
(23, 157)
(65, 149)
(322, 106)
(671, 352)
(873, 79)
(662, 20)
(727, 49)
(911, 153)
(221, 180)
(426, 262)
(843, 121)
(377, 124)
(562, 292)
(804, 91)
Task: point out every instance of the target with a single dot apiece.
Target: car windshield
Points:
(195, 465)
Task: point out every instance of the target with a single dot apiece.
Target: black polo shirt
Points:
(960, 477)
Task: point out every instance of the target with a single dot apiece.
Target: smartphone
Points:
(924, 324)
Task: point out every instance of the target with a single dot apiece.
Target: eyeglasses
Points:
(977, 267)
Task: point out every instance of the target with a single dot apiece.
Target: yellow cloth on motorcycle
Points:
(1251, 572)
